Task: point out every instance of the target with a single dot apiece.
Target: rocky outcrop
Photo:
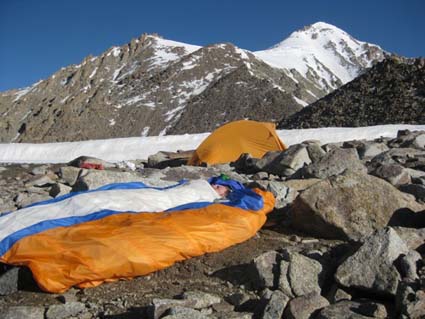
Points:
(390, 92)
(349, 206)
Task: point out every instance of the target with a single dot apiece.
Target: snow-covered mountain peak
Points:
(315, 33)
(164, 43)
(323, 51)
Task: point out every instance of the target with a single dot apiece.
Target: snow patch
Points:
(64, 99)
(115, 51)
(86, 88)
(151, 105)
(21, 93)
(130, 71)
(312, 94)
(134, 100)
(172, 113)
(25, 116)
(145, 131)
(117, 72)
(164, 54)
(93, 73)
(300, 102)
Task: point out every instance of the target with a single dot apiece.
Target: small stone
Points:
(159, 307)
(40, 181)
(304, 306)
(59, 189)
(201, 299)
(275, 306)
(40, 170)
(408, 265)
(223, 307)
(237, 299)
(260, 176)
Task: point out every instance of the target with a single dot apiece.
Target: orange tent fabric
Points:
(127, 245)
(230, 141)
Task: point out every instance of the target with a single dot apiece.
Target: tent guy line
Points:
(132, 148)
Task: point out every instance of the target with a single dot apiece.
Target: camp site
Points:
(212, 159)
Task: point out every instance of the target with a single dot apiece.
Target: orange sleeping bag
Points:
(126, 245)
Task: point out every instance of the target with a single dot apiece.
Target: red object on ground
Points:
(91, 166)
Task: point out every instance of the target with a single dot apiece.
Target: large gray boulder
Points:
(372, 268)
(349, 206)
(335, 162)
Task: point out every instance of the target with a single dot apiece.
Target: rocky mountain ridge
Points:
(153, 86)
(391, 92)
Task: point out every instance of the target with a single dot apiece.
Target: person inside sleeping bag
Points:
(223, 185)
(235, 193)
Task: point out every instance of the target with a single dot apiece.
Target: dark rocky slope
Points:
(391, 92)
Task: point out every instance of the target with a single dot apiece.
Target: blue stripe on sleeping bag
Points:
(241, 198)
(245, 199)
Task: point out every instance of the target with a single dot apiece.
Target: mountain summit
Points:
(324, 54)
(154, 86)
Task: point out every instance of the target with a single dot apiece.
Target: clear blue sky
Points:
(38, 37)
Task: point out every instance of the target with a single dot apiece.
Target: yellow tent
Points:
(231, 140)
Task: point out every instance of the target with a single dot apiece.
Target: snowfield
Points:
(132, 148)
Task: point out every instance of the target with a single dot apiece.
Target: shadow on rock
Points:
(405, 217)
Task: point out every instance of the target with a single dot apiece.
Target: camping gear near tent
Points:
(228, 142)
(114, 232)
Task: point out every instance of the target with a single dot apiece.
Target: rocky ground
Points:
(346, 238)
